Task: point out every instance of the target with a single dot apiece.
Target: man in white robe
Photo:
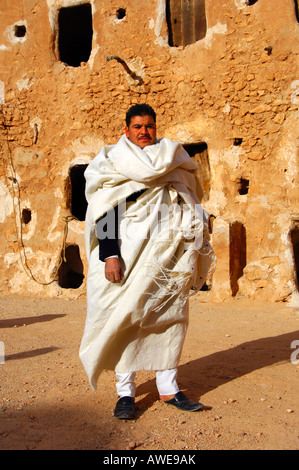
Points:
(147, 246)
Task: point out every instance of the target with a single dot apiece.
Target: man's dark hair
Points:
(140, 110)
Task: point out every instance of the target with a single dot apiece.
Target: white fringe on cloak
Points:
(141, 323)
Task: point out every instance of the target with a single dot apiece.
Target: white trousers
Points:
(165, 381)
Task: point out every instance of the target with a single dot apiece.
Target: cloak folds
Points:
(141, 323)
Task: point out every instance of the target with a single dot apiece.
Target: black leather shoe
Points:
(182, 402)
(125, 408)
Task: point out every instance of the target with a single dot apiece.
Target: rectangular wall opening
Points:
(77, 189)
(237, 254)
(243, 186)
(186, 21)
(295, 246)
(75, 34)
(70, 274)
(26, 216)
(199, 153)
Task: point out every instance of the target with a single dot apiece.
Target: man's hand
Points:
(113, 270)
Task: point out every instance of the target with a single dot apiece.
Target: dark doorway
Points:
(295, 245)
(75, 34)
(199, 153)
(78, 200)
(237, 254)
(70, 274)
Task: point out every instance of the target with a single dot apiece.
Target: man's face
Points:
(142, 131)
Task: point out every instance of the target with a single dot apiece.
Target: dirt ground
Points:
(236, 361)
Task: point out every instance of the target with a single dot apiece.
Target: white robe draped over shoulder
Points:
(141, 322)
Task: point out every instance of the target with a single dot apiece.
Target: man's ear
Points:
(127, 131)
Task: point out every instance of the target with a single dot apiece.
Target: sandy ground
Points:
(236, 361)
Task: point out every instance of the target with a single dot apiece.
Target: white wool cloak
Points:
(141, 323)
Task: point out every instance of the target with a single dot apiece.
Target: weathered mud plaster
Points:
(6, 202)
(211, 32)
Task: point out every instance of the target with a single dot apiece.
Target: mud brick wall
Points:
(223, 78)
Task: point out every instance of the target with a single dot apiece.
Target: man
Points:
(146, 242)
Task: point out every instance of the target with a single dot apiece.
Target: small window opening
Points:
(268, 49)
(237, 254)
(186, 21)
(238, 141)
(251, 2)
(243, 186)
(78, 200)
(295, 246)
(121, 13)
(199, 153)
(20, 30)
(70, 274)
(26, 216)
(75, 34)
(297, 10)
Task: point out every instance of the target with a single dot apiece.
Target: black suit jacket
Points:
(110, 246)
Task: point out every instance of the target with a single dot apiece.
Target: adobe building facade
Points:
(223, 78)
